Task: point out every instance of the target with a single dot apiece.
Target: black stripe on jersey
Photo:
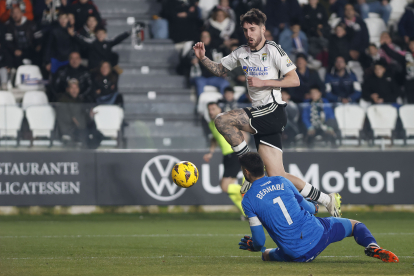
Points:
(281, 52)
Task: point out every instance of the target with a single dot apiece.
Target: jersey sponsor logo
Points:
(256, 70)
(156, 181)
(276, 187)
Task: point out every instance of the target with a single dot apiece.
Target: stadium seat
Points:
(210, 88)
(376, 27)
(28, 78)
(32, 98)
(239, 91)
(11, 118)
(356, 67)
(206, 6)
(407, 115)
(7, 98)
(383, 119)
(333, 21)
(108, 119)
(350, 120)
(398, 9)
(41, 120)
(303, 2)
(204, 99)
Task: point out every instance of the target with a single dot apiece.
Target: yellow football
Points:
(184, 174)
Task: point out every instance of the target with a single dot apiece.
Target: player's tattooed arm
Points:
(215, 68)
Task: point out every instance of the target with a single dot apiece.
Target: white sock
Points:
(373, 244)
(241, 149)
(315, 194)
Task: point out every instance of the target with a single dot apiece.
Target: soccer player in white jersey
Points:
(268, 69)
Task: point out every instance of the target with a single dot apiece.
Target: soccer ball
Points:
(184, 174)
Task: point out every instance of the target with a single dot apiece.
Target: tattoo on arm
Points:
(215, 68)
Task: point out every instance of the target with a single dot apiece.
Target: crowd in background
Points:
(68, 41)
(325, 55)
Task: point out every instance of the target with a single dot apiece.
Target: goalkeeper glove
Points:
(247, 244)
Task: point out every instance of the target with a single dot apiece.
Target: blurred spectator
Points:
(5, 65)
(380, 87)
(382, 7)
(183, 19)
(386, 39)
(292, 112)
(406, 24)
(293, 40)
(159, 27)
(47, 12)
(337, 7)
(268, 35)
(341, 84)
(319, 118)
(100, 49)
(308, 78)
(71, 19)
(60, 44)
(6, 7)
(339, 45)
(237, 77)
(356, 31)
(221, 29)
(228, 102)
(204, 76)
(225, 6)
(71, 115)
(280, 13)
(74, 70)
(369, 59)
(82, 9)
(406, 61)
(22, 38)
(88, 32)
(315, 25)
(245, 99)
(105, 85)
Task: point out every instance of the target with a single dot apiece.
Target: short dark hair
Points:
(253, 16)
(212, 103)
(229, 88)
(301, 55)
(100, 29)
(253, 163)
(372, 45)
(314, 87)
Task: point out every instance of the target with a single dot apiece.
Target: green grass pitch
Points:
(181, 244)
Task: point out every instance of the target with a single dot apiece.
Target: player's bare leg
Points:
(273, 160)
(229, 185)
(230, 124)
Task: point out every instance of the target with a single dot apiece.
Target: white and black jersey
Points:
(268, 63)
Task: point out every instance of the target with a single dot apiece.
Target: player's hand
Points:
(247, 244)
(207, 157)
(199, 50)
(314, 203)
(255, 82)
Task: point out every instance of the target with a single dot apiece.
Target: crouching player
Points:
(273, 202)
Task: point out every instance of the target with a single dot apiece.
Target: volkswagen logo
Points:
(155, 178)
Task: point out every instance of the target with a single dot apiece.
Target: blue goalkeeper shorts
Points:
(335, 229)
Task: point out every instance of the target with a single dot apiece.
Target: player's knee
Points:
(219, 121)
(265, 255)
(353, 222)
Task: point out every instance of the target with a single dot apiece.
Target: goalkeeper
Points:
(230, 159)
(277, 205)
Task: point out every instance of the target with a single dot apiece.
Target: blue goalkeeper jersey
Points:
(274, 201)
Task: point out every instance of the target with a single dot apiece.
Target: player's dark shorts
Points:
(268, 121)
(335, 229)
(231, 165)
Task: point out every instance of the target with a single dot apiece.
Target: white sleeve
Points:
(282, 61)
(230, 62)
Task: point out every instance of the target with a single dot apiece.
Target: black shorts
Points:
(231, 165)
(268, 121)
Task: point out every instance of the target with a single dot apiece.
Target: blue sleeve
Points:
(306, 115)
(247, 208)
(301, 200)
(357, 94)
(258, 237)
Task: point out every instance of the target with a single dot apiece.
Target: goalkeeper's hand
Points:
(315, 204)
(247, 244)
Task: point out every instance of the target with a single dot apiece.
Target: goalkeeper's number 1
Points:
(282, 206)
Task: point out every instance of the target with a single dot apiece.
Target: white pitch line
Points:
(165, 257)
(154, 236)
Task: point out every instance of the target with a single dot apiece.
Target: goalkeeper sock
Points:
(363, 236)
(241, 149)
(233, 190)
(315, 194)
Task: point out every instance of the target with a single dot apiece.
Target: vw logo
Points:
(155, 178)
